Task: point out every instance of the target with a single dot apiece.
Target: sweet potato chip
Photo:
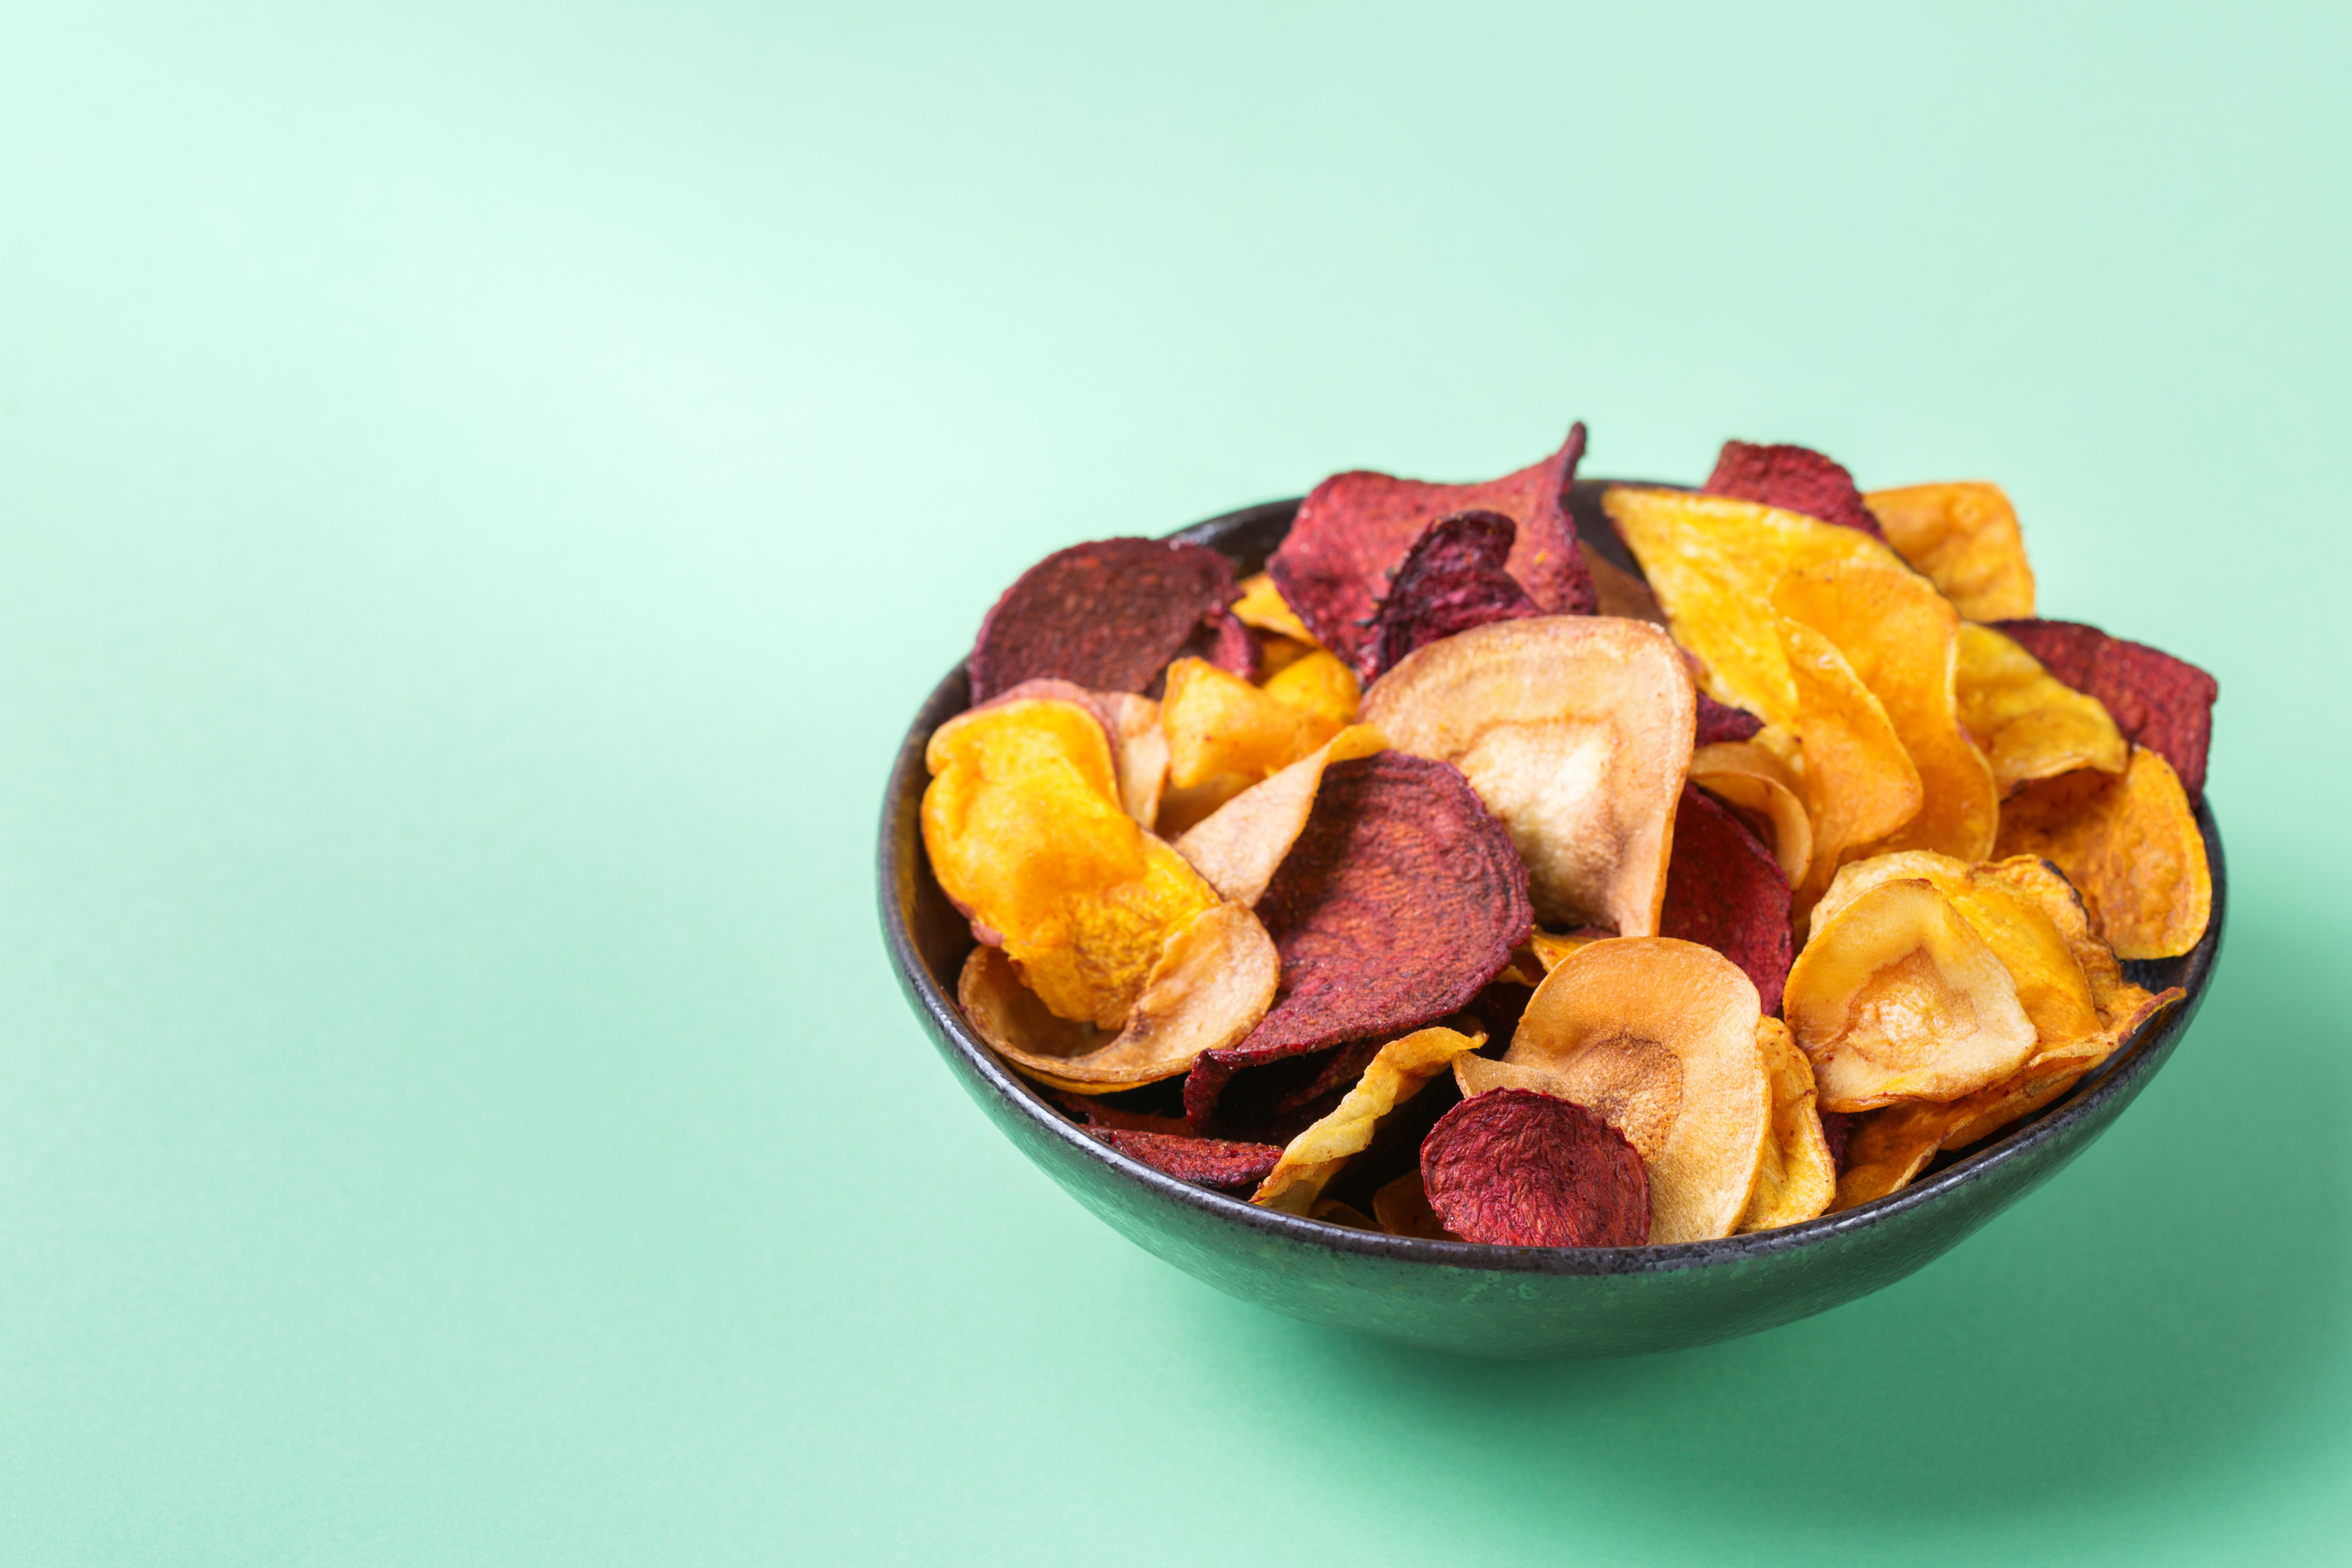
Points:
(1131, 725)
(1261, 606)
(1217, 1162)
(1760, 787)
(1860, 784)
(1518, 1168)
(1964, 537)
(1401, 1209)
(1399, 901)
(1575, 730)
(1712, 562)
(1900, 637)
(1353, 531)
(1238, 846)
(1889, 1149)
(1794, 478)
(1796, 1180)
(1452, 579)
(1897, 997)
(2157, 701)
(2129, 844)
(1025, 833)
(1108, 615)
(1725, 891)
(1658, 1037)
(1213, 982)
(2031, 725)
(1318, 685)
(1394, 1076)
(1218, 723)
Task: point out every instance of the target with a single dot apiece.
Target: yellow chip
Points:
(1218, 723)
(1964, 537)
(1760, 787)
(1860, 785)
(1391, 1077)
(2030, 724)
(1261, 605)
(1796, 1180)
(2131, 847)
(1318, 685)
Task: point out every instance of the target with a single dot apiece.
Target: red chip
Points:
(1512, 1167)
(1721, 721)
(1794, 478)
(1452, 579)
(1402, 897)
(1355, 529)
(1837, 1131)
(1091, 1112)
(1726, 891)
(1108, 615)
(2157, 701)
(1210, 1162)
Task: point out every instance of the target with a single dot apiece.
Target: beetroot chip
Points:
(1210, 1162)
(1837, 1131)
(1402, 896)
(1726, 891)
(1452, 579)
(1512, 1167)
(1091, 1112)
(2157, 701)
(1794, 478)
(1721, 721)
(1276, 1103)
(1354, 531)
(1108, 615)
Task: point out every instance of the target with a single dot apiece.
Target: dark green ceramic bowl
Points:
(1454, 1295)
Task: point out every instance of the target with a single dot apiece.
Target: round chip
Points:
(1518, 1168)
(1108, 615)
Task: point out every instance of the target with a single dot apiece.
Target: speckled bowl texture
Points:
(1528, 1303)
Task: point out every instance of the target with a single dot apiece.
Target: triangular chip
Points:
(1794, 478)
(1238, 846)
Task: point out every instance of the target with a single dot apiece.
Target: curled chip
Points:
(1964, 537)
(1025, 831)
(1108, 615)
(1392, 1077)
(1219, 1163)
(1767, 797)
(2157, 701)
(1794, 478)
(1718, 723)
(1402, 1208)
(1575, 730)
(1318, 685)
(1353, 531)
(1860, 784)
(2129, 844)
(1900, 638)
(1238, 845)
(1712, 562)
(1725, 891)
(1213, 982)
(1399, 901)
(1131, 725)
(1796, 1180)
(2031, 725)
(1218, 723)
(1452, 579)
(1261, 607)
(1896, 997)
(1518, 1168)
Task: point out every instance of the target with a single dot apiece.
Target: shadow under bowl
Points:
(1511, 1301)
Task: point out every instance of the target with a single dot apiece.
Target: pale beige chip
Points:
(1964, 536)
(1796, 1180)
(1238, 846)
(1762, 788)
(2030, 724)
(1395, 1075)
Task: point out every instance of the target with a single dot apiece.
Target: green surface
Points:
(483, 488)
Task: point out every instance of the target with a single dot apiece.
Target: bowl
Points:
(1509, 1301)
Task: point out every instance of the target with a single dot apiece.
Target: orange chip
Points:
(1392, 1077)
(1860, 785)
(1760, 788)
(1318, 685)
(1712, 562)
(1402, 1206)
(2129, 844)
(2030, 724)
(1964, 536)
(1261, 605)
(1796, 1179)
(1213, 979)
(1218, 723)
(1240, 844)
(1901, 638)
(1025, 833)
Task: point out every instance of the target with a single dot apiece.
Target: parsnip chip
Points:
(1712, 562)
(1900, 636)
(2031, 725)
(1759, 786)
(1860, 785)
(1217, 723)
(1576, 731)
(1238, 846)
(1889, 1148)
(2129, 844)
(1964, 536)
(1261, 606)
(1659, 1037)
(1796, 1180)
(1318, 685)
(1023, 822)
(1213, 982)
(1394, 1076)
(1897, 997)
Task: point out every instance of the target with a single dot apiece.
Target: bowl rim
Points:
(2121, 1075)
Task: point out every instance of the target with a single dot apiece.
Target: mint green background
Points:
(482, 487)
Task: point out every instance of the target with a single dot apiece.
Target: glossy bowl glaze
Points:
(1532, 1303)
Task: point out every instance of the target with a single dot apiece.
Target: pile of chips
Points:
(1446, 880)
